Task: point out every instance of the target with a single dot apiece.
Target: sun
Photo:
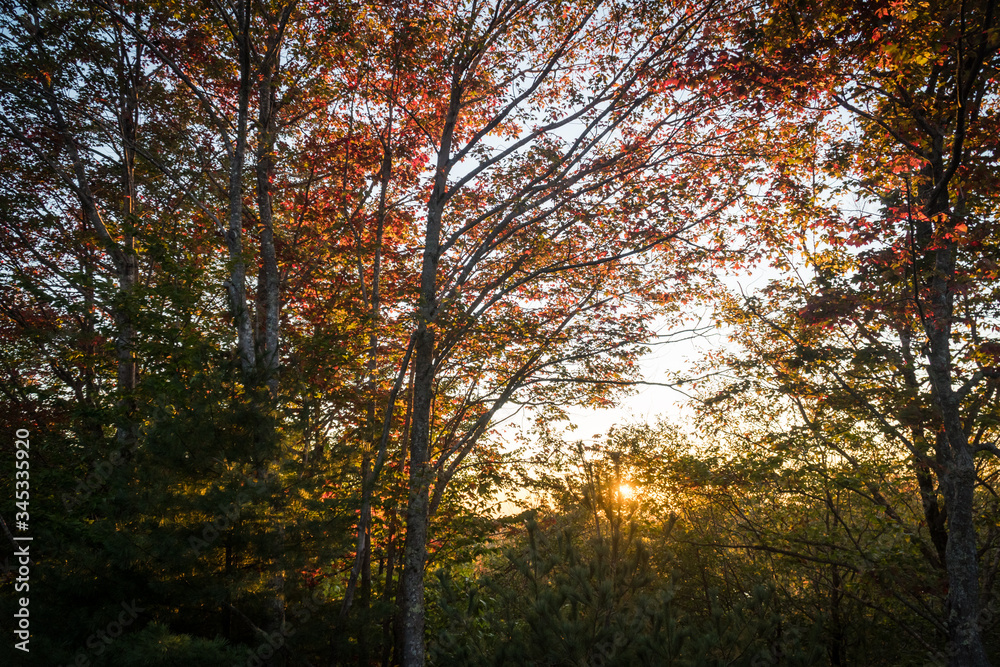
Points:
(625, 491)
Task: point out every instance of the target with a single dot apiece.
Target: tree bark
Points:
(236, 283)
(959, 479)
(965, 645)
(268, 287)
(421, 474)
(128, 367)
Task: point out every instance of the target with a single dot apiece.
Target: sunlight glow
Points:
(626, 491)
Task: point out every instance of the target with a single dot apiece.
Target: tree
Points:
(516, 216)
(598, 576)
(896, 105)
(71, 121)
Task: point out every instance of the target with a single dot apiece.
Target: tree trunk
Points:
(964, 632)
(236, 283)
(128, 268)
(268, 287)
(415, 548)
(387, 591)
(965, 646)
(393, 631)
(375, 443)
